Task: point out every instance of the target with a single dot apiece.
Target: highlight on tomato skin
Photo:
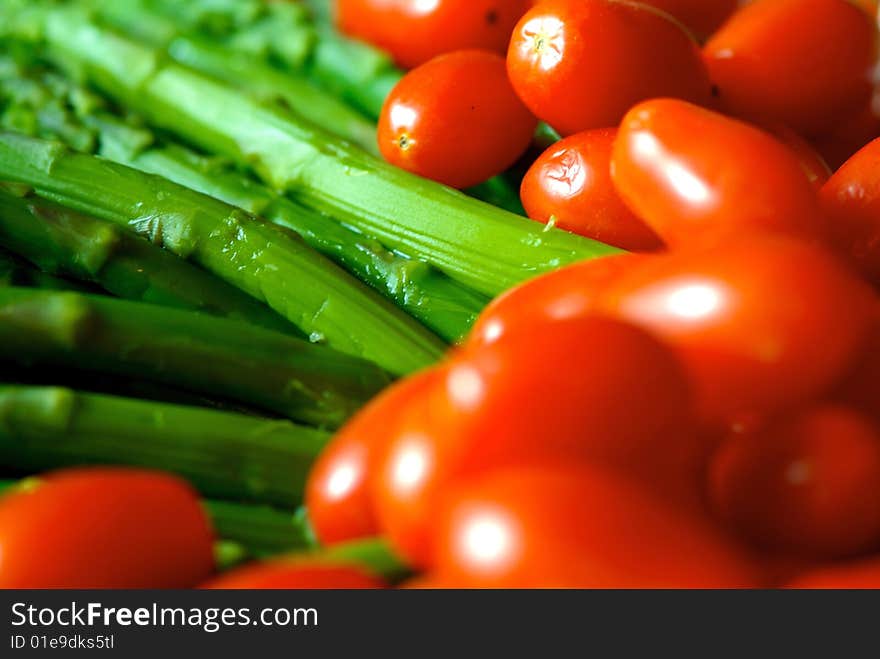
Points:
(581, 65)
(570, 186)
(805, 63)
(690, 174)
(805, 483)
(578, 526)
(455, 120)
(299, 574)
(104, 527)
(414, 31)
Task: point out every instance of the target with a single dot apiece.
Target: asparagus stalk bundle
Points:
(194, 351)
(65, 243)
(15, 271)
(481, 246)
(266, 261)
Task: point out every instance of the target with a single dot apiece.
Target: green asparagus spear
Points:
(62, 242)
(482, 246)
(15, 271)
(195, 351)
(264, 260)
(223, 454)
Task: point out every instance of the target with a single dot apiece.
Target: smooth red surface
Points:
(577, 526)
(294, 575)
(805, 63)
(455, 120)
(581, 65)
(855, 575)
(414, 31)
(762, 323)
(805, 483)
(699, 178)
(104, 527)
(812, 163)
(570, 183)
(702, 17)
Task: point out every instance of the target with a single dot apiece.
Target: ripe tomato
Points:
(852, 133)
(861, 387)
(697, 177)
(855, 575)
(289, 574)
(851, 199)
(570, 292)
(761, 323)
(581, 65)
(414, 31)
(337, 492)
(551, 390)
(701, 17)
(455, 120)
(812, 163)
(805, 63)
(806, 483)
(104, 528)
(570, 185)
(577, 526)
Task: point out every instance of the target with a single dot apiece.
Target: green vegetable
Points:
(194, 351)
(260, 258)
(222, 454)
(15, 271)
(65, 243)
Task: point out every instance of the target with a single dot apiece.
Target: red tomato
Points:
(861, 387)
(805, 63)
(558, 390)
(455, 120)
(577, 526)
(852, 133)
(569, 292)
(806, 483)
(414, 31)
(337, 493)
(702, 17)
(851, 200)
(812, 163)
(698, 178)
(856, 575)
(581, 65)
(104, 528)
(761, 323)
(570, 185)
(294, 575)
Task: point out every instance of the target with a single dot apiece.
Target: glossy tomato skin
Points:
(581, 65)
(104, 528)
(698, 178)
(854, 575)
(812, 163)
(851, 200)
(805, 63)
(545, 392)
(577, 527)
(414, 31)
(701, 17)
(762, 323)
(570, 292)
(294, 575)
(570, 185)
(806, 483)
(338, 492)
(455, 120)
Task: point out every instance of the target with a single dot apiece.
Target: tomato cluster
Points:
(703, 413)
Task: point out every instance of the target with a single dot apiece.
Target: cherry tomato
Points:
(414, 31)
(697, 177)
(294, 575)
(851, 200)
(581, 65)
(569, 292)
(855, 575)
(337, 493)
(805, 63)
(104, 528)
(762, 322)
(570, 185)
(806, 483)
(812, 163)
(701, 17)
(861, 387)
(455, 120)
(852, 133)
(551, 390)
(577, 526)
